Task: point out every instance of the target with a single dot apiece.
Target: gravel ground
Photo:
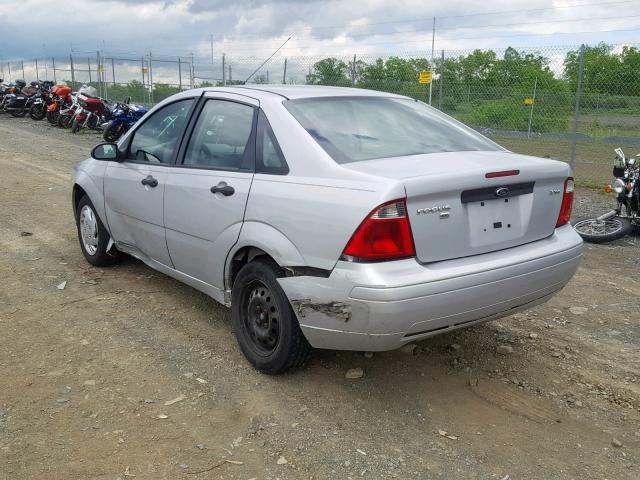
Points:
(111, 373)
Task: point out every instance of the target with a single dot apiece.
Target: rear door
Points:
(134, 189)
(207, 190)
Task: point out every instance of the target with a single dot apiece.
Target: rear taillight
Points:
(384, 235)
(567, 203)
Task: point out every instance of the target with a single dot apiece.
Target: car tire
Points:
(92, 235)
(264, 323)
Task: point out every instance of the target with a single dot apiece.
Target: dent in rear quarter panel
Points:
(318, 216)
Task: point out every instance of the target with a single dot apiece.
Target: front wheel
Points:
(37, 111)
(19, 113)
(594, 231)
(75, 126)
(264, 323)
(52, 116)
(94, 238)
(112, 132)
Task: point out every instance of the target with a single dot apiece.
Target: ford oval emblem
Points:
(502, 191)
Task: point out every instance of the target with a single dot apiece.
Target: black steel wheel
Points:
(38, 111)
(264, 323)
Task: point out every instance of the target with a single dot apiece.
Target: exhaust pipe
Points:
(606, 216)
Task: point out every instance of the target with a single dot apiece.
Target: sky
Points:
(255, 28)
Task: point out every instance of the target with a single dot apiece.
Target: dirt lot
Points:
(126, 373)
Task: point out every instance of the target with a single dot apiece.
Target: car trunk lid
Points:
(457, 208)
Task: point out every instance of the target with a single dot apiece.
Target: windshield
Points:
(352, 129)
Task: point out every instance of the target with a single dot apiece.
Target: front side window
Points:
(352, 129)
(158, 136)
(221, 137)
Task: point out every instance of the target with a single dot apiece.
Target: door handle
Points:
(149, 181)
(224, 189)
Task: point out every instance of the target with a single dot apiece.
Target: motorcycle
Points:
(11, 92)
(18, 104)
(621, 221)
(61, 99)
(124, 115)
(92, 111)
(39, 106)
(68, 112)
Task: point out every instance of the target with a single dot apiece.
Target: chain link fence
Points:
(574, 103)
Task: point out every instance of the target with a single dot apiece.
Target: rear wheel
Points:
(264, 323)
(594, 231)
(19, 113)
(75, 126)
(93, 237)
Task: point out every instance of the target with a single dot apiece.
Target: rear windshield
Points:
(351, 129)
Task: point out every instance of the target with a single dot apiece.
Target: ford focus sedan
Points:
(329, 217)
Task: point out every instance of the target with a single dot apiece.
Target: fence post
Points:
(9, 69)
(22, 65)
(53, 64)
(150, 79)
(440, 80)
(113, 72)
(192, 72)
(37, 73)
(230, 74)
(576, 115)
(179, 74)
(224, 74)
(353, 71)
(73, 75)
(533, 101)
(89, 66)
(284, 74)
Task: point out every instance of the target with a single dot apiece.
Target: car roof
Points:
(300, 91)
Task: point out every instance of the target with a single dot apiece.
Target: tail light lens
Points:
(384, 235)
(567, 203)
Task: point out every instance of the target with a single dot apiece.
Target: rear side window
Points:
(352, 129)
(269, 157)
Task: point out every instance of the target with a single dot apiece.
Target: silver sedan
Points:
(329, 217)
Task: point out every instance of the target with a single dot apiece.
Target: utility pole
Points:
(433, 43)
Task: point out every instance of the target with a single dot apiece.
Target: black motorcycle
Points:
(43, 99)
(621, 221)
(18, 104)
(9, 93)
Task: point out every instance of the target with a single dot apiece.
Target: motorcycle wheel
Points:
(593, 231)
(64, 121)
(52, 117)
(19, 113)
(112, 132)
(75, 126)
(37, 111)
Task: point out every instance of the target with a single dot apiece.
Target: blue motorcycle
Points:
(123, 116)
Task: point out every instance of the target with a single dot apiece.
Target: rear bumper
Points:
(381, 306)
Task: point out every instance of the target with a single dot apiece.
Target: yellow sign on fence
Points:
(425, 77)
(528, 101)
(145, 70)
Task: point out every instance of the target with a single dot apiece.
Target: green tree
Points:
(329, 71)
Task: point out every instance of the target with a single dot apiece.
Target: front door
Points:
(206, 192)
(134, 189)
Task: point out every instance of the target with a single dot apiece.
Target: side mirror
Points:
(105, 151)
